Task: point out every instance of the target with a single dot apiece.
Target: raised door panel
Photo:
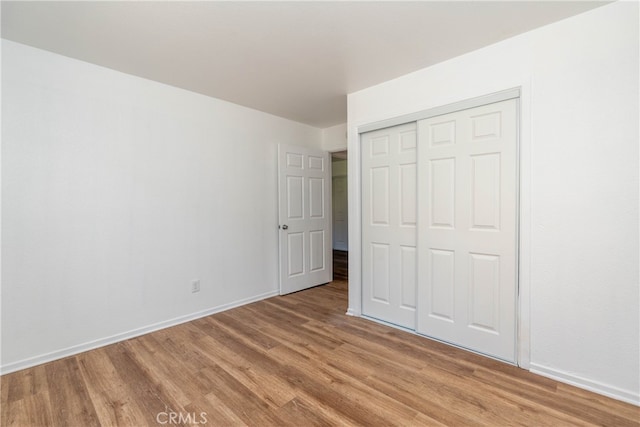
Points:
(485, 191)
(484, 292)
(294, 161)
(486, 126)
(441, 284)
(317, 250)
(408, 276)
(380, 272)
(316, 163)
(441, 133)
(408, 194)
(295, 197)
(296, 253)
(316, 198)
(379, 196)
(379, 146)
(408, 141)
(443, 193)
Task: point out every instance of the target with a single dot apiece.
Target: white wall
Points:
(338, 167)
(579, 276)
(335, 138)
(117, 192)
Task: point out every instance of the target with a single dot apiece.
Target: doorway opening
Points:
(340, 216)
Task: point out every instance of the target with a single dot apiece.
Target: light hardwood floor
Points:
(294, 360)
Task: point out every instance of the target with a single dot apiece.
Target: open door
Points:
(304, 191)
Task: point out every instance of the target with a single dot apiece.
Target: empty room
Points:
(328, 213)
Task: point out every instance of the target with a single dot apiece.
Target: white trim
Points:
(394, 326)
(444, 109)
(81, 348)
(523, 344)
(355, 225)
(584, 383)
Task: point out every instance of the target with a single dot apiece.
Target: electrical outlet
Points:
(195, 286)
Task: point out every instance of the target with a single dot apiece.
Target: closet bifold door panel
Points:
(467, 228)
(389, 224)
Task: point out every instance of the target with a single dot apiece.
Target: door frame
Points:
(346, 177)
(523, 201)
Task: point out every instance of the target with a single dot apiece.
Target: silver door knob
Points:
(285, 227)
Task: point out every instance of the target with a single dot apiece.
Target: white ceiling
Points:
(293, 59)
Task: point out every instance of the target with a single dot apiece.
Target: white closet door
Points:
(389, 224)
(467, 230)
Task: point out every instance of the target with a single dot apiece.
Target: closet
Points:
(439, 226)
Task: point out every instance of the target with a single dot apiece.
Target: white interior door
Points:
(467, 231)
(304, 189)
(389, 224)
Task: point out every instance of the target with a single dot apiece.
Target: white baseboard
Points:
(101, 342)
(594, 386)
(352, 312)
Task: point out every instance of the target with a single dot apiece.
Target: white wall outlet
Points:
(195, 286)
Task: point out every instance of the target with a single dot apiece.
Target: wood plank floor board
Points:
(391, 380)
(603, 403)
(295, 379)
(387, 356)
(109, 394)
(299, 412)
(345, 395)
(510, 389)
(111, 397)
(32, 410)
(247, 326)
(145, 388)
(244, 403)
(344, 381)
(263, 379)
(294, 332)
(19, 387)
(442, 389)
(218, 413)
(295, 360)
(272, 389)
(176, 376)
(292, 366)
(179, 344)
(69, 398)
(215, 411)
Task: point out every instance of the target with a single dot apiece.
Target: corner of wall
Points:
(335, 138)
